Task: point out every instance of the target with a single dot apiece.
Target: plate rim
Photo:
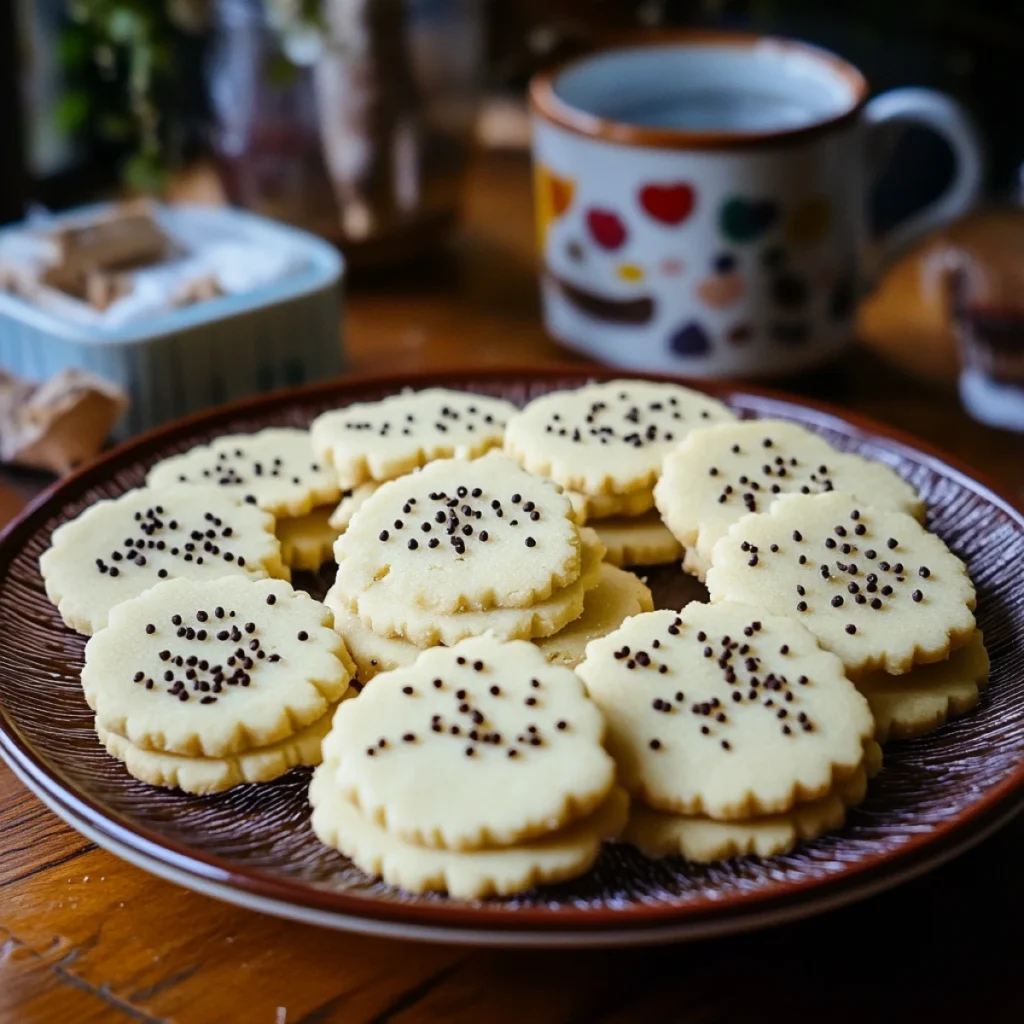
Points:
(915, 856)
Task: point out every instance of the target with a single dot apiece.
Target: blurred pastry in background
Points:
(951, 310)
(58, 424)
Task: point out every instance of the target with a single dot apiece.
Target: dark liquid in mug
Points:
(719, 109)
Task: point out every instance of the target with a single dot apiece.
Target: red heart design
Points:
(608, 230)
(670, 204)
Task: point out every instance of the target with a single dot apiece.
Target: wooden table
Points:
(85, 937)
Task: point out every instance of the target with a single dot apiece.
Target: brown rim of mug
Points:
(545, 102)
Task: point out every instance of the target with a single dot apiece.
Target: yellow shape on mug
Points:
(553, 195)
(630, 272)
(809, 221)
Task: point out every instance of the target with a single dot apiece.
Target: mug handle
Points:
(948, 118)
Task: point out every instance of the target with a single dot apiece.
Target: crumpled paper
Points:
(58, 424)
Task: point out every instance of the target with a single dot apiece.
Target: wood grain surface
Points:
(87, 938)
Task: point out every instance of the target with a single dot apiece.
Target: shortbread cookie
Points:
(202, 775)
(725, 711)
(351, 502)
(428, 629)
(657, 834)
(307, 541)
(925, 698)
(644, 540)
(275, 469)
(383, 440)
(603, 506)
(617, 596)
(213, 668)
(371, 652)
(481, 744)
(872, 585)
(720, 474)
(374, 653)
(461, 536)
(116, 549)
(566, 853)
(608, 438)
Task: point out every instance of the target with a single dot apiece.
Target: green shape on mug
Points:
(746, 220)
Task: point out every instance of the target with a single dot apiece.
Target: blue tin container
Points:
(184, 360)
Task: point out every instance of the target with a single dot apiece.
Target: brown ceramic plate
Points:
(252, 846)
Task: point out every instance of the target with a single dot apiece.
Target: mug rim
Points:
(545, 102)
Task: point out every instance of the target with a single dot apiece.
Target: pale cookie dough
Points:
(461, 536)
(608, 438)
(307, 541)
(603, 506)
(725, 711)
(644, 540)
(481, 744)
(555, 857)
(374, 653)
(371, 652)
(720, 474)
(116, 549)
(428, 629)
(928, 696)
(179, 668)
(702, 840)
(351, 502)
(275, 469)
(872, 585)
(383, 440)
(202, 775)
(617, 596)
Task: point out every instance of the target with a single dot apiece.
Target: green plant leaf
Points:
(72, 111)
(73, 49)
(145, 173)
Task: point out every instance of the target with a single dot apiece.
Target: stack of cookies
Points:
(773, 516)
(369, 443)
(876, 589)
(479, 770)
(462, 548)
(734, 732)
(204, 685)
(604, 444)
(275, 470)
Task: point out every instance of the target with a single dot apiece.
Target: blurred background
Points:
(97, 95)
(397, 131)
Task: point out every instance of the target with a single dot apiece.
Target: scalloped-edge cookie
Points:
(307, 541)
(556, 857)
(644, 540)
(608, 438)
(873, 585)
(214, 668)
(703, 840)
(274, 469)
(382, 440)
(119, 547)
(461, 536)
(926, 697)
(720, 474)
(428, 629)
(591, 507)
(481, 744)
(371, 652)
(351, 502)
(725, 711)
(203, 775)
(617, 596)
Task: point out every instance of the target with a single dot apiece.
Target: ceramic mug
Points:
(701, 200)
